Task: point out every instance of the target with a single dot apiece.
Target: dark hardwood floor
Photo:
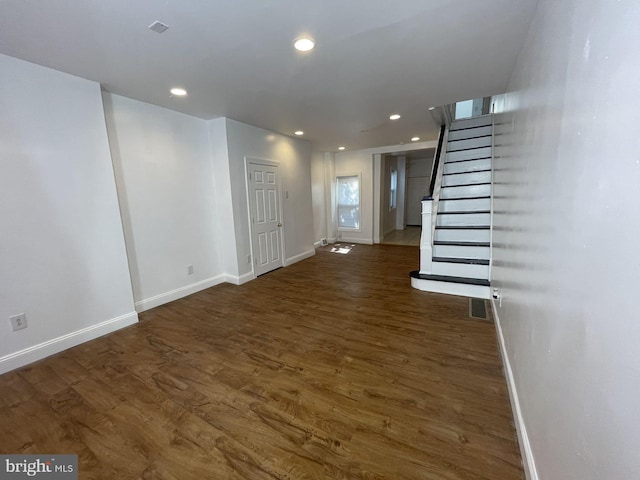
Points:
(333, 368)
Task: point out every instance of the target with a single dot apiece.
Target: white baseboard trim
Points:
(300, 256)
(238, 280)
(64, 342)
(528, 460)
(365, 241)
(172, 295)
(332, 239)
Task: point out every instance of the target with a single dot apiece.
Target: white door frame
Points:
(271, 163)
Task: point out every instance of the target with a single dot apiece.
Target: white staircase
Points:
(457, 244)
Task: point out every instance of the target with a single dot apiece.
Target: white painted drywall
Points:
(567, 198)
(420, 167)
(402, 192)
(294, 157)
(318, 196)
(225, 230)
(62, 253)
(390, 163)
(164, 176)
(418, 177)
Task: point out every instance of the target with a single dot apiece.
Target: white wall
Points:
(389, 162)
(566, 257)
(62, 253)
(294, 157)
(318, 197)
(224, 226)
(418, 177)
(165, 184)
(402, 192)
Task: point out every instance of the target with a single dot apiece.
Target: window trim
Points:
(337, 204)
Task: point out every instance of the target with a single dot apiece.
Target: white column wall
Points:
(62, 253)
(567, 198)
(389, 215)
(318, 196)
(165, 183)
(225, 225)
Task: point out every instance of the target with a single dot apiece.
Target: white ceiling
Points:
(235, 57)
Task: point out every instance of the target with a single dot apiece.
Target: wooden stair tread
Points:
(445, 278)
(464, 198)
(466, 261)
(464, 212)
(461, 244)
(462, 227)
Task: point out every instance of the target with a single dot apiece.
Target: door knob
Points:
(279, 224)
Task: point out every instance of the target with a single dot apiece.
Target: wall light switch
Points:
(18, 322)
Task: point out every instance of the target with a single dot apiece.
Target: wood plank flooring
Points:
(332, 368)
(410, 236)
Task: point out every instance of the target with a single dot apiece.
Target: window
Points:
(349, 202)
(393, 191)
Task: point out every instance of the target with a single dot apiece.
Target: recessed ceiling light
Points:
(432, 108)
(304, 44)
(299, 132)
(341, 148)
(415, 139)
(178, 92)
(395, 116)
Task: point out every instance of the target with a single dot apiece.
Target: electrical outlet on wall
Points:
(249, 258)
(18, 322)
(497, 295)
(189, 269)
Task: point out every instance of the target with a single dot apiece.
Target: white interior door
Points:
(266, 224)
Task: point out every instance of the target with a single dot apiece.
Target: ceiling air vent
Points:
(158, 27)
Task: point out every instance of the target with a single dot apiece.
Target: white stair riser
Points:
(443, 219)
(462, 235)
(469, 133)
(469, 143)
(464, 205)
(471, 122)
(460, 251)
(460, 270)
(468, 154)
(466, 178)
(466, 191)
(464, 290)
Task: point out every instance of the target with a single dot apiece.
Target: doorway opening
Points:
(405, 178)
